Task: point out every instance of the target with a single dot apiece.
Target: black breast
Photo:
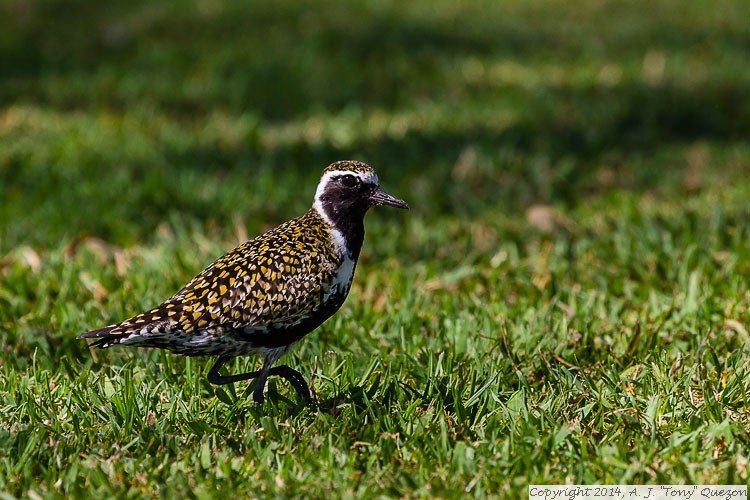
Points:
(280, 337)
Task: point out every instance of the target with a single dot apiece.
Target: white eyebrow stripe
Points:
(368, 177)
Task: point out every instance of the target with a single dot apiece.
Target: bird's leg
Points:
(260, 384)
(295, 378)
(215, 378)
(261, 375)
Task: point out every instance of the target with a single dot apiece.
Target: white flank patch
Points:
(343, 278)
(345, 272)
(339, 242)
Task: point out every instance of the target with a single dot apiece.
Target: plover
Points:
(265, 295)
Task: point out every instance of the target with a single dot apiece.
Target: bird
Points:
(263, 296)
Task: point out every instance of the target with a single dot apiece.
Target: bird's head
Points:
(347, 189)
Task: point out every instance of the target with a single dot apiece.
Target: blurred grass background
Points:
(578, 177)
(139, 111)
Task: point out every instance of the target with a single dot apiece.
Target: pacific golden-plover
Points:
(265, 295)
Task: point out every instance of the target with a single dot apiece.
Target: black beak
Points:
(380, 197)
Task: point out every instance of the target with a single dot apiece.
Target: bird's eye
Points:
(349, 180)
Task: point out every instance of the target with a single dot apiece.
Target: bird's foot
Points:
(296, 379)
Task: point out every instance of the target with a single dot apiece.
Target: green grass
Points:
(566, 302)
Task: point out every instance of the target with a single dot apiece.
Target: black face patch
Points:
(345, 200)
(346, 195)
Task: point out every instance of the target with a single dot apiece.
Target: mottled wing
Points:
(274, 281)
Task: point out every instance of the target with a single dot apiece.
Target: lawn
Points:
(567, 301)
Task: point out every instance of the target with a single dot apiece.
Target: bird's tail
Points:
(104, 337)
